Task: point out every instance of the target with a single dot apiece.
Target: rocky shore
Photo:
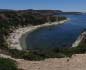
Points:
(79, 39)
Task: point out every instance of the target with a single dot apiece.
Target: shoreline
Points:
(16, 40)
(79, 39)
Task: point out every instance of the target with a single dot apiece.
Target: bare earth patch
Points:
(77, 62)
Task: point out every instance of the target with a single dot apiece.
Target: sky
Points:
(64, 5)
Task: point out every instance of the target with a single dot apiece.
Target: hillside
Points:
(13, 19)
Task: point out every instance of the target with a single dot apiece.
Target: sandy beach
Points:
(15, 37)
(76, 62)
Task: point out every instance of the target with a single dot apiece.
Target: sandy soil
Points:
(76, 62)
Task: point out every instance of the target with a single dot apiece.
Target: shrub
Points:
(7, 64)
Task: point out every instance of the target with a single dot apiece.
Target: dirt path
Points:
(77, 62)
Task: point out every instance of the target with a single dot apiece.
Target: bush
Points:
(33, 56)
(7, 64)
(16, 53)
(42, 54)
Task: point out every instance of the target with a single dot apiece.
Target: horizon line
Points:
(39, 9)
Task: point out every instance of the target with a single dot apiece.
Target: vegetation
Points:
(10, 20)
(42, 54)
(7, 64)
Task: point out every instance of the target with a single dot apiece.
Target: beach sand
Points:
(15, 37)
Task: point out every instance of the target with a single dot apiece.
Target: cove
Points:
(50, 37)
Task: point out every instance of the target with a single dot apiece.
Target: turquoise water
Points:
(57, 36)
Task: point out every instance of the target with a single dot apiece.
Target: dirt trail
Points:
(77, 62)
